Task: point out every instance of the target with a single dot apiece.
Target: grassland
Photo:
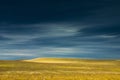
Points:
(60, 69)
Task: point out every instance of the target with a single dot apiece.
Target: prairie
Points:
(59, 69)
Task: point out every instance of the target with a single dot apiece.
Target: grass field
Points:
(60, 69)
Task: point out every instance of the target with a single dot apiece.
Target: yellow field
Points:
(60, 69)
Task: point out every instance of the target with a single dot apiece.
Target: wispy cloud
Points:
(60, 39)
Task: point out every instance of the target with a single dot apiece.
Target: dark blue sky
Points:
(60, 28)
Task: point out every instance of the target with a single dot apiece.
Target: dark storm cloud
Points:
(50, 28)
(29, 11)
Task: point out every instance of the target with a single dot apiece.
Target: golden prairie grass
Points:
(78, 69)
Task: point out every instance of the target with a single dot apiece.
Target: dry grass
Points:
(60, 69)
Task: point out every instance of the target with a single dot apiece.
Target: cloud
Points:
(88, 28)
(107, 36)
(16, 54)
(59, 40)
(21, 34)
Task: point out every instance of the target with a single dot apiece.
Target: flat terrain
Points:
(60, 69)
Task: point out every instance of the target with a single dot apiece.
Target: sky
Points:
(59, 28)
